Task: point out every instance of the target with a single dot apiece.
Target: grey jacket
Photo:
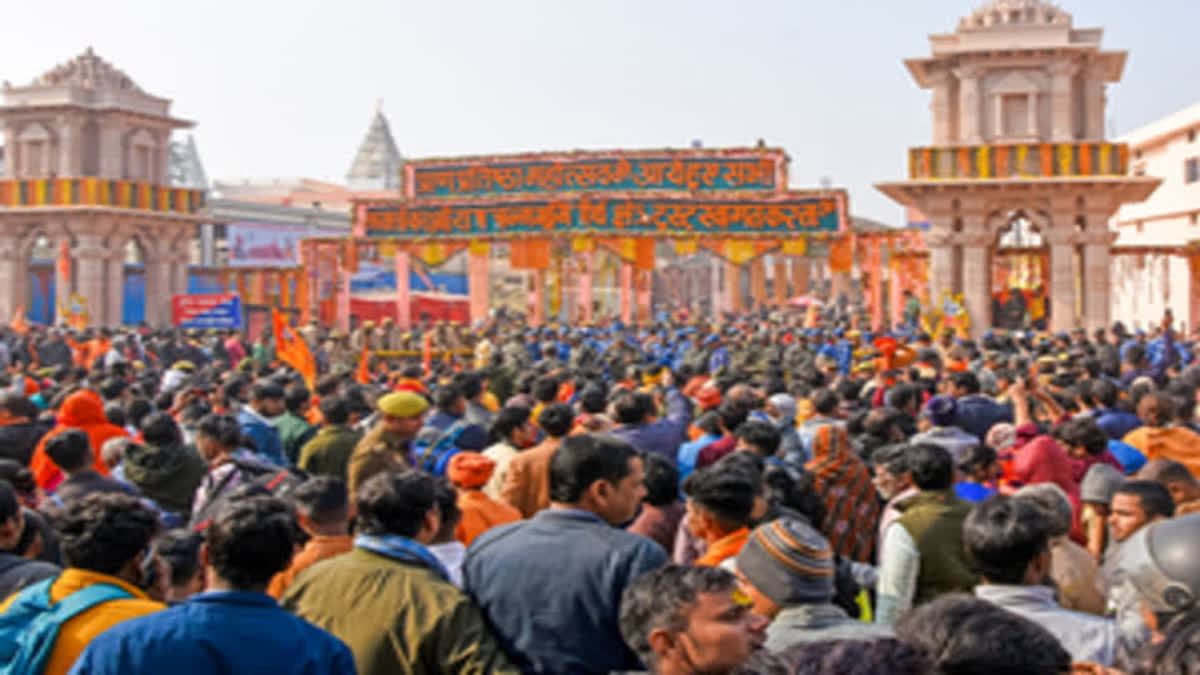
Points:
(1088, 638)
(814, 623)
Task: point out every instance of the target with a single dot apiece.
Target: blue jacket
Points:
(216, 632)
(551, 589)
(664, 436)
(266, 437)
(690, 452)
(977, 414)
(1116, 422)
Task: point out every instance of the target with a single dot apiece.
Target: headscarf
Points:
(844, 483)
(85, 411)
(786, 405)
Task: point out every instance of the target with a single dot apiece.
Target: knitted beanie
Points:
(1099, 484)
(789, 562)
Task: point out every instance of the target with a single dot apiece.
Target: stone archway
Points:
(1019, 266)
(45, 285)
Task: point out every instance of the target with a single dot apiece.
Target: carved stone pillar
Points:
(1062, 118)
(1062, 279)
(69, 154)
(1094, 100)
(92, 270)
(800, 273)
(941, 264)
(114, 299)
(716, 300)
(14, 273)
(781, 279)
(158, 280)
(758, 283)
(1097, 278)
(941, 107)
(970, 107)
(977, 281)
(733, 287)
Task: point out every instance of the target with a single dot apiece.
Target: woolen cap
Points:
(1099, 484)
(402, 404)
(941, 410)
(789, 562)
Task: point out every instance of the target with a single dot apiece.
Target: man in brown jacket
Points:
(386, 447)
(527, 485)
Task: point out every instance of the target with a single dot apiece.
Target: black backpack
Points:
(278, 481)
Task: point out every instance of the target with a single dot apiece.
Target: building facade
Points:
(86, 176)
(1018, 109)
(1158, 239)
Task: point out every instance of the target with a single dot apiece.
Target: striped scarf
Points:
(844, 483)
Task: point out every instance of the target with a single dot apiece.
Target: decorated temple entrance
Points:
(1020, 270)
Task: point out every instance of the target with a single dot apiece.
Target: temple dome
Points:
(1000, 13)
(87, 71)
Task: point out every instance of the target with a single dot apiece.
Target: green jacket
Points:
(168, 474)
(934, 520)
(294, 432)
(328, 453)
(397, 617)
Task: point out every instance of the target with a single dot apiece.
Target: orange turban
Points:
(470, 469)
(708, 397)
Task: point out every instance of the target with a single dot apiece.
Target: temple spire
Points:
(378, 161)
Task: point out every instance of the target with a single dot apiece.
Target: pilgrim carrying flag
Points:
(363, 375)
(292, 349)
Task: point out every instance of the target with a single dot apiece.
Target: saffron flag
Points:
(19, 325)
(292, 349)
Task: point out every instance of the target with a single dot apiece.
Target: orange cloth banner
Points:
(841, 255)
(292, 349)
(643, 258)
(530, 254)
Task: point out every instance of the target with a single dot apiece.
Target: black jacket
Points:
(17, 441)
(16, 573)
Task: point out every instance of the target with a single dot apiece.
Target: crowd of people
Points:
(760, 494)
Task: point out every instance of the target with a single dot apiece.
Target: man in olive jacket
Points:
(389, 598)
(328, 453)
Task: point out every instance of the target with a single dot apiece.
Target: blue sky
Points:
(287, 89)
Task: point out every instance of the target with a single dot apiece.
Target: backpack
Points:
(433, 456)
(279, 481)
(30, 627)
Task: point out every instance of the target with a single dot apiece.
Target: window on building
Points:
(1137, 154)
(33, 155)
(1016, 115)
(1194, 219)
(1191, 170)
(1141, 227)
(1191, 135)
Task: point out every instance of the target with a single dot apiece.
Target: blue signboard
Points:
(221, 310)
